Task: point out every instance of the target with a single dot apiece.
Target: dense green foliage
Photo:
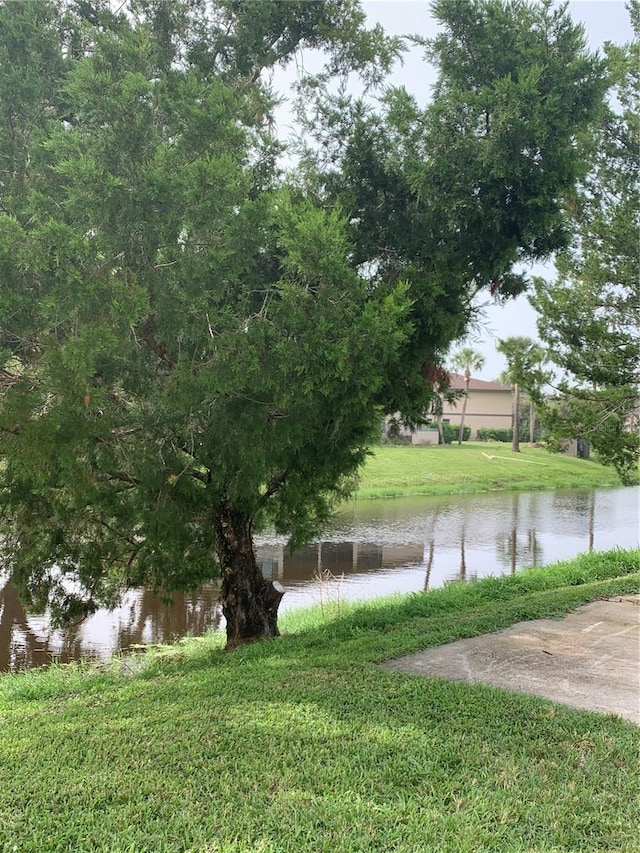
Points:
(452, 196)
(590, 315)
(316, 747)
(190, 346)
(179, 333)
(452, 433)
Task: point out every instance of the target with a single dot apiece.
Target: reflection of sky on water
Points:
(483, 517)
(374, 548)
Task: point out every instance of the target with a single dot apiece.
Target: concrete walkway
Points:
(589, 659)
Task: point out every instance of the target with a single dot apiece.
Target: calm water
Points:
(374, 548)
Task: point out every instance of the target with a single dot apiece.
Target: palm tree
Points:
(466, 359)
(537, 378)
(524, 370)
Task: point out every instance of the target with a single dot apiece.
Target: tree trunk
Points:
(532, 422)
(467, 377)
(516, 418)
(249, 601)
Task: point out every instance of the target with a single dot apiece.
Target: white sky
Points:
(604, 20)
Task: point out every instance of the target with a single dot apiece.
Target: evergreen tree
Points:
(186, 348)
(452, 197)
(590, 315)
(192, 349)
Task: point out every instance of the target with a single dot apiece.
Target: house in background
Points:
(489, 405)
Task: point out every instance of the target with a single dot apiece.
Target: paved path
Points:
(588, 659)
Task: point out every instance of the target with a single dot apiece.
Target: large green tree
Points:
(186, 348)
(190, 349)
(590, 314)
(451, 197)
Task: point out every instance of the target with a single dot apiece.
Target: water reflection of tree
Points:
(31, 649)
(585, 506)
(462, 574)
(429, 564)
(146, 617)
(514, 550)
(435, 518)
(152, 619)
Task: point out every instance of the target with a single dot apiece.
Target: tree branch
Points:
(122, 476)
(274, 487)
(123, 536)
(146, 333)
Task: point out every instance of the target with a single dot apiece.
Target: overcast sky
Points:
(604, 20)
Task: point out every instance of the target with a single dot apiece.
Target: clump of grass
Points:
(329, 588)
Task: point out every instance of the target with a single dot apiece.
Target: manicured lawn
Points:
(305, 744)
(476, 467)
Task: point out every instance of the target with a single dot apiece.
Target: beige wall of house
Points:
(491, 409)
(489, 405)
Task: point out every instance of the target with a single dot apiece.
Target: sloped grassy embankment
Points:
(305, 744)
(476, 467)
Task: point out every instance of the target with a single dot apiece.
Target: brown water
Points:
(375, 548)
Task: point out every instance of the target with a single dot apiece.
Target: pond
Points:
(374, 548)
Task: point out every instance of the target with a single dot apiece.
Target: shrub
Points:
(450, 433)
(492, 434)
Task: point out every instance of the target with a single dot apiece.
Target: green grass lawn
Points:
(304, 744)
(475, 467)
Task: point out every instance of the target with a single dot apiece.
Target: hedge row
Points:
(450, 433)
(489, 434)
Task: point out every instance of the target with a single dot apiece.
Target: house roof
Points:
(457, 383)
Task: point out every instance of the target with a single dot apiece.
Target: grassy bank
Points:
(305, 744)
(475, 467)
